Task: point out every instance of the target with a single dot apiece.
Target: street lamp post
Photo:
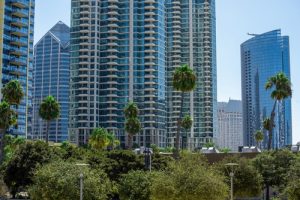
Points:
(81, 186)
(231, 168)
(147, 153)
(81, 179)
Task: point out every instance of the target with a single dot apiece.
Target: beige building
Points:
(230, 130)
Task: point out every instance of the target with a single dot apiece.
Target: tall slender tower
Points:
(117, 56)
(191, 39)
(16, 56)
(263, 56)
(51, 77)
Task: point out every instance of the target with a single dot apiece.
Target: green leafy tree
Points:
(70, 152)
(12, 145)
(209, 144)
(188, 179)
(20, 168)
(161, 162)
(247, 180)
(135, 186)
(259, 136)
(281, 86)
(274, 166)
(132, 123)
(7, 119)
(60, 181)
(184, 80)
(292, 189)
(49, 110)
(116, 163)
(99, 139)
(225, 150)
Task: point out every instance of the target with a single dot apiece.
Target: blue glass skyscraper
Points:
(16, 45)
(51, 77)
(264, 56)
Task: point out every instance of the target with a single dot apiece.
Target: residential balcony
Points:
(19, 3)
(149, 13)
(17, 51)
(18, 61)
(16, 70)
(19, 12)
(19, 22)
(113, 25)
(112, 12)
(150, 7)
(112, 6)
(113, 19)
(149, 1)
(149, 26)
(151, 19)
(150, 38)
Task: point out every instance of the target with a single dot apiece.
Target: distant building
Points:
(51, 77)
(230, 121)
(264, 56)
(16, 46)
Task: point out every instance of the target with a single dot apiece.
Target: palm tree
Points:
(49, 110)
(13, 92)
(266, 124)
(99, 139)
(132, 127)
(132, 123)
(113, 142)
(131, 110)
(7, 119)
(184, 80)
(259, 136)
(12, 95)
(187, 124)
(281, 86)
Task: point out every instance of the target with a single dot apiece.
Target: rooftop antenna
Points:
(252, 34)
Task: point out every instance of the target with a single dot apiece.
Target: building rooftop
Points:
(61, 31)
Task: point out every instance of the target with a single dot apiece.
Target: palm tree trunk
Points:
(271, 126)
(2, 144)
(47, 132)
(179, 127)
(267, 192)
(129, 141)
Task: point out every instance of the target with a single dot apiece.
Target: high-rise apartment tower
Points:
(117, 56)
(16, 56)
(191, 39)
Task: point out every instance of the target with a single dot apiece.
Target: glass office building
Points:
(16, 45)
(51, 77)
(191, 39)
(264, 56)
(117, 56)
